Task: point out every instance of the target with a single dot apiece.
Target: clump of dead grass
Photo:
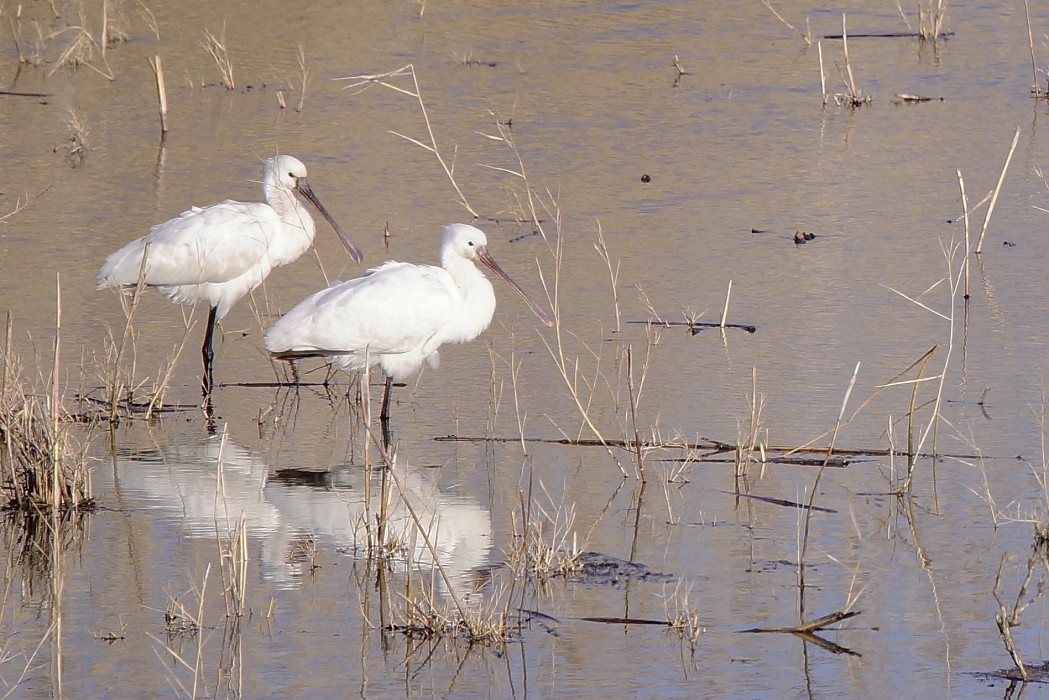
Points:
(43, 467)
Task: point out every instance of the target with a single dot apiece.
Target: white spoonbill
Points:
(399, 314)
(220, 253)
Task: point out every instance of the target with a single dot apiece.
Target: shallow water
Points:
(740, 143)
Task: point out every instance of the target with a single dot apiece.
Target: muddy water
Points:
(740, 143)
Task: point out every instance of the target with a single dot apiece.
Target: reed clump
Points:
(43, 467)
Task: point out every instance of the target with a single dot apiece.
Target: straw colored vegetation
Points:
(43, 466)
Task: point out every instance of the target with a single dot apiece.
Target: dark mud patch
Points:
(1035, 674)
(596, 569)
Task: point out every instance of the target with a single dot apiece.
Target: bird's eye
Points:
(291, 175)
(470, 243)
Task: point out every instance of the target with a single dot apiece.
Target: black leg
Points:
(208, 353)
(384, 415)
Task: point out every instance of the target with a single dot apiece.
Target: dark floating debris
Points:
(625, 621)
(801, 237)
(890, 35)
(646, 178)
(1036, 673)
(596, 569)
(781, 502)
(696, 326)
(16, 93)
(1008, 244)
(906, 97)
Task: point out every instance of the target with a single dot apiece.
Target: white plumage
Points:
(399, 314)
(217, 254)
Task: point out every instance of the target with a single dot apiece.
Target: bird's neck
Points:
(281, 199)
(478, 301)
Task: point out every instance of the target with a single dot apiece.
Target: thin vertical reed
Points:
(1030, 43)
(965, 219)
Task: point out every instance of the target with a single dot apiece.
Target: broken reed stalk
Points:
(162, 92)
(848, 66)
(997, 190)
(305, 72)
(1030, 42)
(724, 313)
(823, 77)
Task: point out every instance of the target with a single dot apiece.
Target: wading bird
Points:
(218, 254)
(398, 315)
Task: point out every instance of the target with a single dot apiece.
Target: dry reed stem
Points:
(806, 35)
(162, 92)
(807, 517)
(855, 97)
(823, 77)
(930, 20)
(965, 219)
(80, 52)
(363, 82)
(997, 190)
(728, 295)
(533, 203)
(115, 386)
(1008, 616)
(304, 71)
(44, 471)
(1030, 42)
(216, 48)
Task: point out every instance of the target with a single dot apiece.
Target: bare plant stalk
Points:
(162, 92)
(613, 274)
(1030, 42)
(728, 295)
(997, 190)
(807, 37)
(115, 385)
(362, 82)
(56, 457)
(848, 66)
(639, 463)
(305, 72)
(823, 77)
(569, 371)
(965, 220)
(819, 475)
(216, 48)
